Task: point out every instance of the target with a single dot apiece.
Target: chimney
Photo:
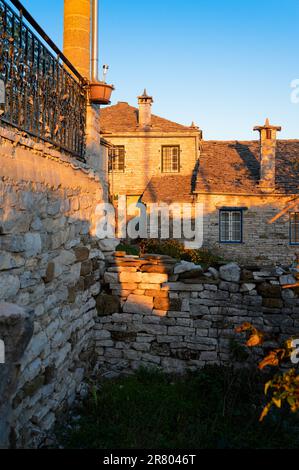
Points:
(268, 136)
(77, 34)
(145, 112)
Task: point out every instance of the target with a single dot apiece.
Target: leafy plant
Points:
(284, 387)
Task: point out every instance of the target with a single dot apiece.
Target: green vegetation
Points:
(213, 408)
(128, 249)
(175, 249)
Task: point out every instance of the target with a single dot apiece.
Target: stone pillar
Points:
(145, 111)
(16, 330)
(77, 34)
(268, 136)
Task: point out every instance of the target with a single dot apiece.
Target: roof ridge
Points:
(130, 125)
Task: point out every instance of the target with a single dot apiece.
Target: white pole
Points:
(95, 42)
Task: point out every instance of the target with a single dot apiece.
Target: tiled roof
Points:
(228, 167)
(168, 189)
(234, 167)
(124, 118)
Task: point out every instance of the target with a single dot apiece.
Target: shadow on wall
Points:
(50, 266)
(158, 312)
(16, 331)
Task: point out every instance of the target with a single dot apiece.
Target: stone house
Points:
(249, 190)
(145, 146)
(250, 196)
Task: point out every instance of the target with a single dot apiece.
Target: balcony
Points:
(44, 94)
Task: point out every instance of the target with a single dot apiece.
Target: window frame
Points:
(293, 243)
(231, 211)
(172, 172)
(112, 156)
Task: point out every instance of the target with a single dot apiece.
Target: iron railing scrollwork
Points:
(42, 98)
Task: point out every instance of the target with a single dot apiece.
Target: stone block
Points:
(230, 272)
(180, 331)
(127, 277)
(181, 286)
(9, 286)
(167, 304)
(107, 304)
(81, 253)
(139, 304)
(153, 278)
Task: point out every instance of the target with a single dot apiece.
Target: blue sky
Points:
(227, 65)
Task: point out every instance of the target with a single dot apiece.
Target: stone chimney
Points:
(268, 136)
(77, 34)
(145, 111)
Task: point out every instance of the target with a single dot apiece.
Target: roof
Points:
(234, 167)
(228, 167)
(124, 118)
(168, 189)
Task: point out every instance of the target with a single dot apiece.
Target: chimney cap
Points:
(145, 97)
(266, 126)
(194, 125)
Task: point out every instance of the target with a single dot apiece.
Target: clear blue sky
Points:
(226, 64)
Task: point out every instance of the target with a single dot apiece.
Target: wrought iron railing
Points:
(44, 95)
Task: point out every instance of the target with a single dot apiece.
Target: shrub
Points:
(175, 249)
(129, 249)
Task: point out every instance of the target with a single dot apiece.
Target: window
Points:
(117, 159)
(231, 226)
(294, 228)
(268, 134)
(171, 159)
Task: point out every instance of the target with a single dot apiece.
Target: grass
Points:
(215, 408)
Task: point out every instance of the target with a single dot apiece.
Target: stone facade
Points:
(50, 265)
(143, 159)
(143, 135)
(266, 237)
(178, 322)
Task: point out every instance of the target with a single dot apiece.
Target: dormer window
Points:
(171, 159)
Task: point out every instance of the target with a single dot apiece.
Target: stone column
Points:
(77, 34)
(268, 140)
(145, 111)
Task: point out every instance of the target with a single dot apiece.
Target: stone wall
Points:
(16, 330)
(156, 312)
(50, 265)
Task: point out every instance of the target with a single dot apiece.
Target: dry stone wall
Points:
(157, 312)
(50, 265)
